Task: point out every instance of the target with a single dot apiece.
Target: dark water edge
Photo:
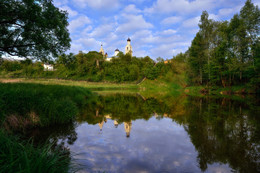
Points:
(130, 133)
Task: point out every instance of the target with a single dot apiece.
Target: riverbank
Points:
(220, 91)
(85, 84)
(147, 87)
(25, 106)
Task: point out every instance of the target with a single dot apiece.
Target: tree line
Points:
(226, 53)
(91, 66)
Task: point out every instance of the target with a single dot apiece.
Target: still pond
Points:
(131, 133)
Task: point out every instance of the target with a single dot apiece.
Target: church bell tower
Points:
(128, 48)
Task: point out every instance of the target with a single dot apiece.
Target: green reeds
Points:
(41, 105)
(17, 156)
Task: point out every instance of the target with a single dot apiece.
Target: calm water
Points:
(130, 133)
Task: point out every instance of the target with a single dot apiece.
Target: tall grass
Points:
(28, 105)
(41, 105)
(17, 156)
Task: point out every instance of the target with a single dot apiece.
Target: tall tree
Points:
(219, 54)
(250, 15)
(197, 58)
(206, 27)
(239, 44)
(32, 28)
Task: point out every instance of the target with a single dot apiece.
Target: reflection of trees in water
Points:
(123, 108)
(224, 131)
(58, 135)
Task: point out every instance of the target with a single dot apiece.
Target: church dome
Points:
(117, 50)
(128, 39)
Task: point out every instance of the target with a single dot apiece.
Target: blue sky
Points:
(156, 27)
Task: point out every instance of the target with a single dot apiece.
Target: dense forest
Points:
(226, 53)
(223, 53)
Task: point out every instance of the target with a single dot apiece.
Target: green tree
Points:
(250, 14)
(197, 59)
(219, 53)
(239, 44)
(206, 29)
(33, 28)
(67, 60)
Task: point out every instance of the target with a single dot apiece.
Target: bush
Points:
(10, 66)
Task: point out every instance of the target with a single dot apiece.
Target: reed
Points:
(21, 156)
(40, 105)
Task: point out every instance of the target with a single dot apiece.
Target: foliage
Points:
(226, 53)
(10, 66)
(18, 156)
(92, 66)
(41, 105)
(33, 29)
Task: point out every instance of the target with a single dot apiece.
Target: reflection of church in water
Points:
(127, 125)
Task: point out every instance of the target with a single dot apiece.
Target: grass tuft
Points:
(17, 156)
(40, 105)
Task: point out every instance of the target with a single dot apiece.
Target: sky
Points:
(157, 28)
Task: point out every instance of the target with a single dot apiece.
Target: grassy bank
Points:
(174, 84)
(85, 84)
(220, 91)
(26, 105)
(21, 156)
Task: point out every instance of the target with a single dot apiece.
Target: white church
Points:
(128, 50)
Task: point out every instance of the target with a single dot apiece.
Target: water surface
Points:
(130, 133)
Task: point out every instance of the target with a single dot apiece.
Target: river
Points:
(131, 133)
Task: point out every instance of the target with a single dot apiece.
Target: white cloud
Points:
(71, 12)
(214, 17)
(133, 23)
(144, 37)
(138, 1)
(192, 22)
(87, 29)
(168, 32)
(229, 12)
(166, 51)
(141, 34)
(181, 6)
(111, 37)
(226, 11)
(76, 47)
(97, 4)
(131, 9)
(79, 22)
(86, 43)
(171, 20)
(59, 3)
(140, 53)
(102, 30)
